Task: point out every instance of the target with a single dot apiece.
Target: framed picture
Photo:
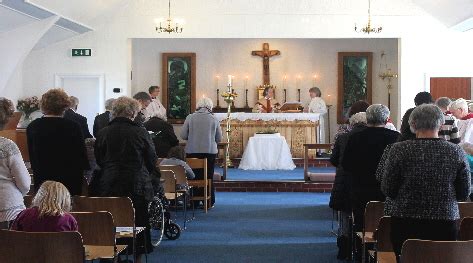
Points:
(354, 81)
(179, 95)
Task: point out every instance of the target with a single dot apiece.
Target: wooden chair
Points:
(373, 212)
(312, 146)
(205, 183)
(41, 247)
(466, 229)
(121, 209)
(426, 251)
(98, 233)
(170, 187)
(180, 179)
(383, 252)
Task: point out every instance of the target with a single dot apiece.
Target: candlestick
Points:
(246, 99)
(285, 95)
(299, 94)
(218, 99)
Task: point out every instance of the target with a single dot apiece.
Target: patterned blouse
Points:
(424, 179)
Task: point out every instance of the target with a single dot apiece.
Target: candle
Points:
(298, 81)
(245, 84)
(314, 80)
(229, 83)
(284, 80)
(217, 78)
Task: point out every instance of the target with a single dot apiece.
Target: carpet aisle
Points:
(256, 227)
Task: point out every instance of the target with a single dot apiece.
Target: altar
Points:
(297, 128)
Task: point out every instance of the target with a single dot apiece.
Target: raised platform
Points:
(275, 186)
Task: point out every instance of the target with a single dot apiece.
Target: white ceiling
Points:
(89, 12)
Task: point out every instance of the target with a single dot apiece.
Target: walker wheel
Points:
(173, 231)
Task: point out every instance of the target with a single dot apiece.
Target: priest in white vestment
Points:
(268, 103)
(316, 104)
(155, 108)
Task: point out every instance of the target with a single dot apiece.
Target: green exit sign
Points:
(81, 52)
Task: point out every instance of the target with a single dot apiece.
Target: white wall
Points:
(304, 57)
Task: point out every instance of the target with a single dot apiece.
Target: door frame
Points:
(60, 77)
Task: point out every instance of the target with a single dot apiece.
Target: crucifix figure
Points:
(266, 54)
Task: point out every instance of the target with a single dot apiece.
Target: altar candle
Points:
(314, 80)
(229, 83)
(284, 81)
(246, 82)
(217, 78)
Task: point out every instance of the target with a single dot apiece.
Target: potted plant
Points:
(27, 106)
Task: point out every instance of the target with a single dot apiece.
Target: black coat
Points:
(126, 156)
(340, 196)
(166, 139)
(81, 120)
(406, 133)
(57, 152)
(361, 158)
(101, 121)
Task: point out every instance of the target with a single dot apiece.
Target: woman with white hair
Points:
(202, 131)
(459, 109)
(340, 198)
(361, 157)
(126, 156)
(423, 179)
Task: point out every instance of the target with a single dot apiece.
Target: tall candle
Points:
(229, 83)
(313, 80)
(217, 78)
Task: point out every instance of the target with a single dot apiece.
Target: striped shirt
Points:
(449, 130)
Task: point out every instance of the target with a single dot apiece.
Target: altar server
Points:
(316, 104)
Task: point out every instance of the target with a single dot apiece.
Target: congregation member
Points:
(423, 180)
(103, 119)
(177, 156)
(316, 104)
(202, 131)
(71, 114)
(15, 180)
(163, 135)
(449, 129)
(49, 211)
(155, 108)
(56, 145)
(267, 104)
(358, 106)
(459, 109)
(144, 100)
(406, 132)
(361, 157)
(340, 196)
(125, 153)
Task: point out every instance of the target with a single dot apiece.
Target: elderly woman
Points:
(362, 154)
(423, 180)
(164, 137)
(202, 131)
(56, 145)
(359, 106)
(126, 156)
(14, 177)
(340, 199)
(459, 109)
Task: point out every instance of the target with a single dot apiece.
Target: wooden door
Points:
(453, 88)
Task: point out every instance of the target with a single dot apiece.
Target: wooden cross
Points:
(266, 54)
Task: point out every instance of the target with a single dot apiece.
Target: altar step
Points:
(272, 186)
(299, 162)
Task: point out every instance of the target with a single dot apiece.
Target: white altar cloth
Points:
(313, 117)
(267, 152)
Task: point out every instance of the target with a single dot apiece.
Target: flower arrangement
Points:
(28, 105)
(267, 130)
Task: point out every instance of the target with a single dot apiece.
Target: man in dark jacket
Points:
(362, 155)
(72, 115)
(164, 138)
(126, 156)
(102, 120)
(406, 133)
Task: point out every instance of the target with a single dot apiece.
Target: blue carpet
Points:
(294, 175)
(256, 227)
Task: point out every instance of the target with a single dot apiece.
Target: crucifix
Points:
(266, 54)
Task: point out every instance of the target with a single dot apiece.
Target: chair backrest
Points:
(466, 229)
(373, 212)
(169, 184)
(28, 200)
(426, 251)
(196, 163)
(383, 235)
(96, 228)
(121, 208)
(179, 172)
(41, 247)
(466, 209)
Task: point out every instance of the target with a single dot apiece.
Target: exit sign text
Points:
(81, 52)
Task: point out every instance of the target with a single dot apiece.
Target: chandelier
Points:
(368, 29)
(170, 27)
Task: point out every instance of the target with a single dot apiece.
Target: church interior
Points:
(236, 131)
